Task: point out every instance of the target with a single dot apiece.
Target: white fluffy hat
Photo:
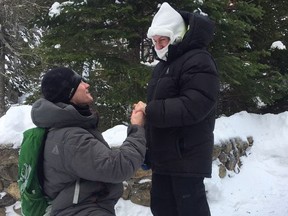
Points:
(167, 22)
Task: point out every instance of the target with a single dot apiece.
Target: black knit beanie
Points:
(60, 84)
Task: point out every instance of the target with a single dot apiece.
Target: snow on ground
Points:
(260, 189)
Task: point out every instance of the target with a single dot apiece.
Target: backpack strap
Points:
(40, 167)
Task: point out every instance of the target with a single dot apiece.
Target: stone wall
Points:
(227, 154)
(9, 192)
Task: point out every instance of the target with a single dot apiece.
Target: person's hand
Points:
(140, 106)
(138, 116)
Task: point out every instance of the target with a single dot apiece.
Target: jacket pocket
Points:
(165, 145)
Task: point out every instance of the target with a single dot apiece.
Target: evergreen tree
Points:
(17, 40)
(108, 40)
(247, 79)
(274, 27)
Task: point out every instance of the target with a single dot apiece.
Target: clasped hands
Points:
(138, 114)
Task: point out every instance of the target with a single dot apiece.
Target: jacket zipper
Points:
(166, 68)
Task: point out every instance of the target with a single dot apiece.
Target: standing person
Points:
(82, 174)
(180, 112)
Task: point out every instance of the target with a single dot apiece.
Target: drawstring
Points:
(76, 192)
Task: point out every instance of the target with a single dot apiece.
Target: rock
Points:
(127, 190)
(231, 163)
(250, 140)
(223, 158)
(142, 173)
(227, 147)
(236, 154)
(222, 171)
(17, 210)
(2, 212)
(7, 200)
(13, 190)
(1, 186)
(9, 172)
(216, 152)
(141, 194)
(8, 155)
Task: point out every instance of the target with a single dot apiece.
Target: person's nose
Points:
(158, 46)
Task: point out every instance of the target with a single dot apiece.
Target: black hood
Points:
(199, 35)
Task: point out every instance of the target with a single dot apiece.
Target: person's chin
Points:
(90, 101)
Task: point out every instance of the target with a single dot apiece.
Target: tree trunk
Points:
(2, 80)
(2, 61)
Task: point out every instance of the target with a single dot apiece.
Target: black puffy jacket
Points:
(181, 104)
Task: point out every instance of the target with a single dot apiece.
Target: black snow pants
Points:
(178, 196)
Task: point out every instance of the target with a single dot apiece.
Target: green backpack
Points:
(30, 173)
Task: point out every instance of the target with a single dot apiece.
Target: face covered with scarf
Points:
(168, 27)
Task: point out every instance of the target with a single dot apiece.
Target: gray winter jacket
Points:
(76, 152)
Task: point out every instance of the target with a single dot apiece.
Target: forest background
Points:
(106, 42)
